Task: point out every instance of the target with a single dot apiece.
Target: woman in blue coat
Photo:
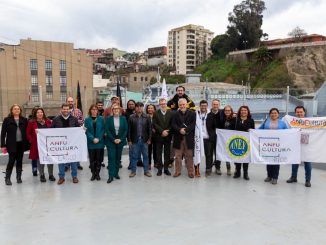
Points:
(116, 129)
(273, 122)
(94, 125)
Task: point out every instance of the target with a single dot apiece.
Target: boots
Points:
(19, 177)
(93, 176)
(245, 171)
(7, 178)
(237, 172)
(98, 169)
(197, 173)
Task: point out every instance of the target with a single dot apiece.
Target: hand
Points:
(36, 130)
(182, 131)
(117, 141)
(96, 140)
(4, 150)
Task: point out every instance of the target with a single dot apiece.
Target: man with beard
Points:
(100, 109)
(173, 103)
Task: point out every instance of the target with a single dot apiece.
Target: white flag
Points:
(62, 145)
(164, 94)
(232, 146)
(199, 141)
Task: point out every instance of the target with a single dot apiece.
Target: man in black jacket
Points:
(139, 136)
(66, 120)
(183, 125)
(180, 93)
(162, 124)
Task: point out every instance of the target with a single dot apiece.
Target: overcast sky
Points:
(137, 25)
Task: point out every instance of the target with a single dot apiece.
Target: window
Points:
(35, 97)
(63, 81)
(34, 80)
(63, 97)
(146, 79)
(141, 79)
(62, 65)
(48, 65)
(135, 79)
(48, 80)
(33, 64)
(49, 95)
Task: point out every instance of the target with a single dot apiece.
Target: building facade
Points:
(43, 73)
(188, 46)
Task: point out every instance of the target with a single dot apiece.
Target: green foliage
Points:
(174, 79)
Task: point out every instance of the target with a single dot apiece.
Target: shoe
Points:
(66, 168)
(8, 181)
(228, 172)
(98, 177)
(176, 175)
(208, 172)
(191, 175)
(274, 181)
(218, 171)
(80, 167)
(236, 175)
(167, 172)
(61, 181)
(19, 178)
(75, 180)
(245, 176)
(268, 179)
(132, 174)
(159, 172)
(307, 184)
(34, 173)
(129, 167)
(93, 177)
(117, 176)
(110, 180)
(42, 178)
(148, 174)
(103, 165)
(292, 180)
(51, 178)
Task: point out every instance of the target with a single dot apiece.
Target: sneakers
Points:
(61, 181)
(132, 174)
(292, 180)
(75, 180)
(148, 174)
(274, 181)
(268, 179)
(307, 184)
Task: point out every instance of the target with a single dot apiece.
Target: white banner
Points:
(313, 137)
(275, 146)
(199, 141)
(232, 146)
(62, 145)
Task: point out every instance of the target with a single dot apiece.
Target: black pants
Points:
(238, 167)
(16, 157)
(209, 149)
(218, 165)
(152, 152)
(167, 150)
(95, 158)
(273, 171)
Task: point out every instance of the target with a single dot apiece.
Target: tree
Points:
(297, 33)
(244, 29)
(219, 46)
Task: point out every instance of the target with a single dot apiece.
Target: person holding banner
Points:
(66, 120)
(14, 141)
(38, 121)
(243, 122)
(183, 125)
(116, 128)
(228, 122)
(94, 125)
(273, 122)
(300, 112)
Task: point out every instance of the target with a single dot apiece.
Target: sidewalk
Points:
(164, 210)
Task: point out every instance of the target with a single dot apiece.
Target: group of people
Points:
(159, 136)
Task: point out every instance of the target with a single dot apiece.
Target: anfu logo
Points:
(238, 146)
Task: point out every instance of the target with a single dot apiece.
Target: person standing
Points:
(66, 120)
(150, 111)
(34, 162)
(116, 128)
(79, 115)
(131, 104)
(273, 122)
(139, 137)
(38, 121)
(180, 93)
(14, 141)
(162, 124)
(94, 125)
(100, 109)
(300, 112)
(183, 125)
(243, 122)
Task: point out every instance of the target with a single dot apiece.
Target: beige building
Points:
(188, 46)
(43, 73)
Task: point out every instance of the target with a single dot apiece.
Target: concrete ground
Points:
(164, 210)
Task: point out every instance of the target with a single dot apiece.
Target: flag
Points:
(78, 99)
(199, 141)
(164, 90)
(119, 93)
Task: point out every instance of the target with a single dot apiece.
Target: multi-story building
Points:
(188, 46)
(156, 56)
(43, 73)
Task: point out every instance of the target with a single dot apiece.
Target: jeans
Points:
(73, 169)
(307, 168)
(140, 147)
(34, 166)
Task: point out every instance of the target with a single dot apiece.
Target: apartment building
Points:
(187, 47)
(35, 73)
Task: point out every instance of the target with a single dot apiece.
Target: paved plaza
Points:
(164, 210)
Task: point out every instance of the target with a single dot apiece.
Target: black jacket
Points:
(161, 122)
(8, 133)
(228, 123)
(244, 125)
(57, 122)
(184, 120)
(173, 103)
(211, 125)
(132, 128)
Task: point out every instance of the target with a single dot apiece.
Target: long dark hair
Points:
(244, 107)
(35, 112)
(149, 106)
(11, 109)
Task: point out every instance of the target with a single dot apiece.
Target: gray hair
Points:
(182, 99)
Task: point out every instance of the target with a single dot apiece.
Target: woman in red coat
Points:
(39, 121)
